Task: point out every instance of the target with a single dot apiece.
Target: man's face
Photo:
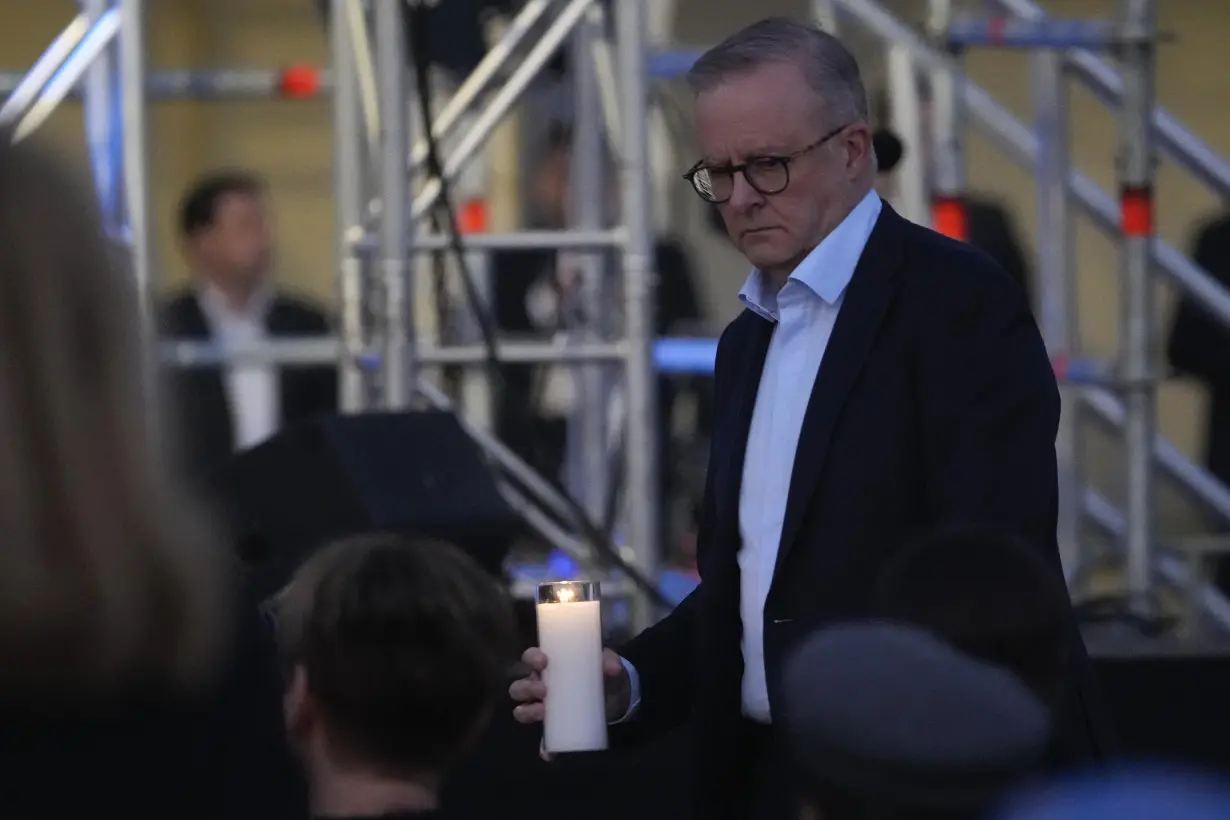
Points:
(238, 245)
(772, 112)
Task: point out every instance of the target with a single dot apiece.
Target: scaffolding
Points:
(1121, 396)
(382, 196)
(383, 192)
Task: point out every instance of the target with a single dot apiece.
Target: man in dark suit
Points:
(224, 226)
(883, 380)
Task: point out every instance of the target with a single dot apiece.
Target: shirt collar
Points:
(218, 308)
(827, 270)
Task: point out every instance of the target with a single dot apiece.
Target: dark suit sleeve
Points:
(664, 655)
(991, 412)
(1199, 346)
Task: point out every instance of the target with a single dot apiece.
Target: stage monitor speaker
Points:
(418, 473)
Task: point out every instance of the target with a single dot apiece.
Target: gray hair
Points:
(828, 66)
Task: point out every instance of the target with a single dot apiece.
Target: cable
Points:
(419, 18)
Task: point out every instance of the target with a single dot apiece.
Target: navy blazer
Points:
(935, 405)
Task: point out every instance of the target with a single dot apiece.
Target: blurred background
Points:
(289, 143)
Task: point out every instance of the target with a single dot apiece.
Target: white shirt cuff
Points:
(634, 686)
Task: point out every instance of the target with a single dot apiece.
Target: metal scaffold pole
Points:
(589, 293)
(135, 152)
(1057, 284)
(641, 479)
(397, 382)
(947, 131)
(348, 175)
(1138, 370)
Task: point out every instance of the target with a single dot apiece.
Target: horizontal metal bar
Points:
(287, 82)
(521, 240)
(293, 82)
(326, 350)
(672, 355)
(1044, 33)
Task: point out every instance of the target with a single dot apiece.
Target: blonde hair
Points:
(109, 576)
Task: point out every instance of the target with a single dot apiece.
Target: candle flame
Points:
(567, 595)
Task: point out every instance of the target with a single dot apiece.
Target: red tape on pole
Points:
(949, 218)
(1136, 211)
(300, 81)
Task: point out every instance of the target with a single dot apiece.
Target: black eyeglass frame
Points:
(782, 160)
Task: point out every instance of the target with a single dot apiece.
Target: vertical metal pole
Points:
(587, 187)
(910, 178)
(101, 98)
(348, 176)
(1136, 169)
(391, 66)
(948, 134)
(1057, 283)
(636, 200)
(136, 175)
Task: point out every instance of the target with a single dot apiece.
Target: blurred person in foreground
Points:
(886, 722)
(112, 590)
(882, 381)
(1137, 792)
(1017, 617)
(394, 651)
(225, 228)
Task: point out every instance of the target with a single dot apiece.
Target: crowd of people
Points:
(881, 630)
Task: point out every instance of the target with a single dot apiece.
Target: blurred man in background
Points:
(537, 293)
(1199, 347)
(225, 227)
(394, 651)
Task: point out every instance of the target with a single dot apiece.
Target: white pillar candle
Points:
(570, 634)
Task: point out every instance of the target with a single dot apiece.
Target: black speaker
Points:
(418, 473)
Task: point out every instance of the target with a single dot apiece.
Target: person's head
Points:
(225, 227)
(889, 152)
(395, 649)
(988, 593)
(784, 102)
(108, 575)
(885, 722)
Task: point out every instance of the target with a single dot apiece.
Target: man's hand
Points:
(530, 693)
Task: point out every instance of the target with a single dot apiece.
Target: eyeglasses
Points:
(768, 175)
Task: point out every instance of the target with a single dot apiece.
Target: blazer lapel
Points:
(866, 300)
(746, 373)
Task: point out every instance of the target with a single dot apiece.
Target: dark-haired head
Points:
(990, 594)
(396, 649)
(224, 225)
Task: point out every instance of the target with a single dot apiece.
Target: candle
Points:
(570, 634)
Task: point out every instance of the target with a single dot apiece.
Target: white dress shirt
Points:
(804, 312)
(251, 389)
